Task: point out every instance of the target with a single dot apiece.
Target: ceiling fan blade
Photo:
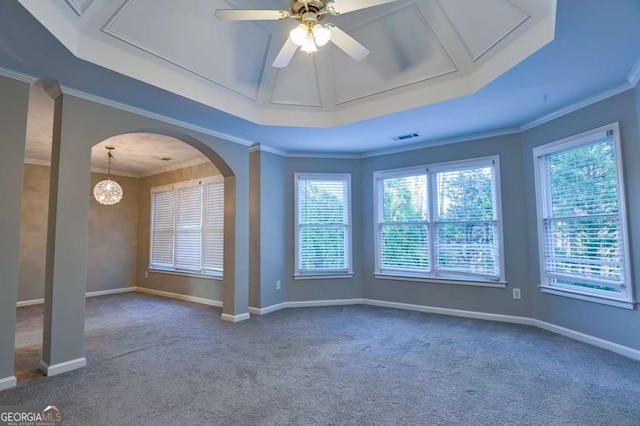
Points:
(250, 15)
(347, 43)
(340, 7)
(285, 55)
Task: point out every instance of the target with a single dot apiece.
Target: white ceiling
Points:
(583, 64)
(135, 154)
(422, 52)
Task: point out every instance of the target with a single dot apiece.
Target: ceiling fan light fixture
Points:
(299, 34)
(321, 34)
(309, 45)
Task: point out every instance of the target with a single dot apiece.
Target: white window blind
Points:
(440, 221)
(404, 230)
(466, 222)
(187, 227)
(580, 202)
(213, 230)
(322, 222)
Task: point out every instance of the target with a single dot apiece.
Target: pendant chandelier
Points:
(108, 192)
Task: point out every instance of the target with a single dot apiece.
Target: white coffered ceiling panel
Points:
(161, 27)
(482, 24)
(79, 6)
(422, 52)
(298, 84)
(404, 50)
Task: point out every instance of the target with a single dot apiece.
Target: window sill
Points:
(186, 274)
(336, 276)
(610, 301)
(452, 281)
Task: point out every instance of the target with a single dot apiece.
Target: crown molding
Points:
(17, 76)
(177, 166)
(634, 74)
(265, 148)
(145, 113)
(438, 142)
(37, 162)
(345, 156)
(116, 172)
(616, 90)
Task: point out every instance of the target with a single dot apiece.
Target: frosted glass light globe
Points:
(299, 34)
(321, 34)
(107, 192)
(309, 45)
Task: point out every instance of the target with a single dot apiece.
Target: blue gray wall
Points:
(324, 289)
(616, 324)
(483, 299)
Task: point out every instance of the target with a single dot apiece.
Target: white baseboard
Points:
(316, 303)
(592, 340)
(183, 297)
(89, 294)
(451, 312)
(512, 319)
(235, 318)
(8, 383)
(112, 291)
(63, 367)
(268, 309)
(29, 303)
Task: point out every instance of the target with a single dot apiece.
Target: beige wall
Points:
(112, 236)
(190, 286)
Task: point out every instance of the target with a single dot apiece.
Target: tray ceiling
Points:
(422, 52)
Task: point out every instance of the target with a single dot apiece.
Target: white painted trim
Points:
(634, 74)
(318, 303)
(29, 303)
(268, 309)
(177, 166)
(183, 297)
(63, 367)
(235, 318)
(438, 142)
(111, 291)
(587, 338)
(114, 172)
(314, 276)
(153, 115)
(322, 155)
(8, 383)
(616, 90)
(265, 148)
(90, 294)
(435, 280)
(511, 319)
(17, 76)
(451, 312)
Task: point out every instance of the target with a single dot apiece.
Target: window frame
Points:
(567, 144)
(299, 273)
(434, 275)
(203, 272)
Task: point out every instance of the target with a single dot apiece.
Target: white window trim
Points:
(213, 275)
(323, 274)
(627, 299)
(434, 276)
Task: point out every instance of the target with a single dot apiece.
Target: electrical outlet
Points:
(516, 293)
(278, 285)
(146, 274)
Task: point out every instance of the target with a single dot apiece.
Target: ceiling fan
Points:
(309, 33)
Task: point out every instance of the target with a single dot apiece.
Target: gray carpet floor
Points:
(154, 361)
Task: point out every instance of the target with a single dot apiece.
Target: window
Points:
(187, 221)
(581, 218)
(323, 230)
(440, 222)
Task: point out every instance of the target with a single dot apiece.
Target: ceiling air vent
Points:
(405, 137)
